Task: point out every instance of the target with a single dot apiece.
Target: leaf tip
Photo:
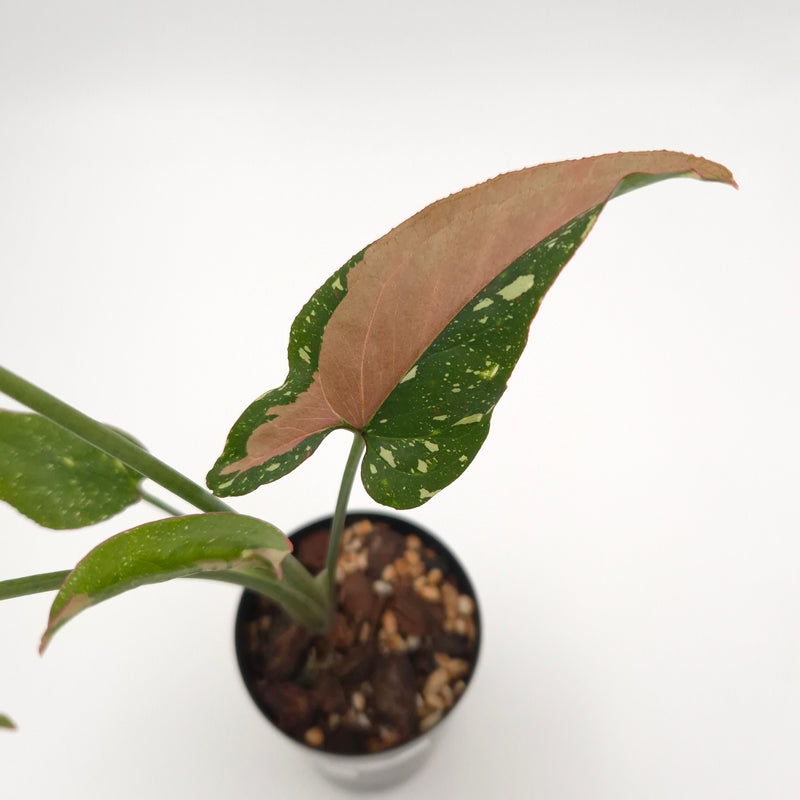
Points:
(712, 171)
(73, 606)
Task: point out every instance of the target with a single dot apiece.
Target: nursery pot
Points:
(403, 651)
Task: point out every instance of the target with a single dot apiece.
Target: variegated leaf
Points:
(412, 341)
(207, 544)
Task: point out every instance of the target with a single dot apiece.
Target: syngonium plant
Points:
(409, 346)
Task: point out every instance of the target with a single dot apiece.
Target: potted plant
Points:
(362, 636)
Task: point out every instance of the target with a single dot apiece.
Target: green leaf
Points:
(6, 722)
(199, 545)
(57, 479)
(412, 341)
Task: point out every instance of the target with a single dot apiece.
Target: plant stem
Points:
(299, 594)
(107, 440)
(32, 584)
(339, 515)
(159, 503)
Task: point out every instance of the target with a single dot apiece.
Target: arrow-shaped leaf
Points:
(56, 478)
(199, 545)
(412, 341)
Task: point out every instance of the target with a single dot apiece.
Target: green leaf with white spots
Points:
(208, 545)
(56, 478)
(412, 341)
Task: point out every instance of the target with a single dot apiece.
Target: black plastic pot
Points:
(395, 764)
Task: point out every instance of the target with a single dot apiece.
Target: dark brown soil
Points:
(400, 652)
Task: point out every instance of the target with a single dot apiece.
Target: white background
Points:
(177, 178)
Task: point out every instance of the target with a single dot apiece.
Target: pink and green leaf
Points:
(412, 341)
(207, 545)
(56, 478)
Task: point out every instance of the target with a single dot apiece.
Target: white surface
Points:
(177, 178)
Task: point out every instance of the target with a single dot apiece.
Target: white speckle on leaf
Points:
(472, 418)
(212, 565)
(462, 459)
(488, 373)
(424, 494)
(387, 456)
(517, 287)
(483, 320)
(441, 417)
(67, 461)
(422, 466)
(273, 467)
(372, 469)
(432, 446)
(226, 484)
(485, 303)
(337, 284)
(267, 555)
(590, 221)
(304, 354)
(410, 374)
